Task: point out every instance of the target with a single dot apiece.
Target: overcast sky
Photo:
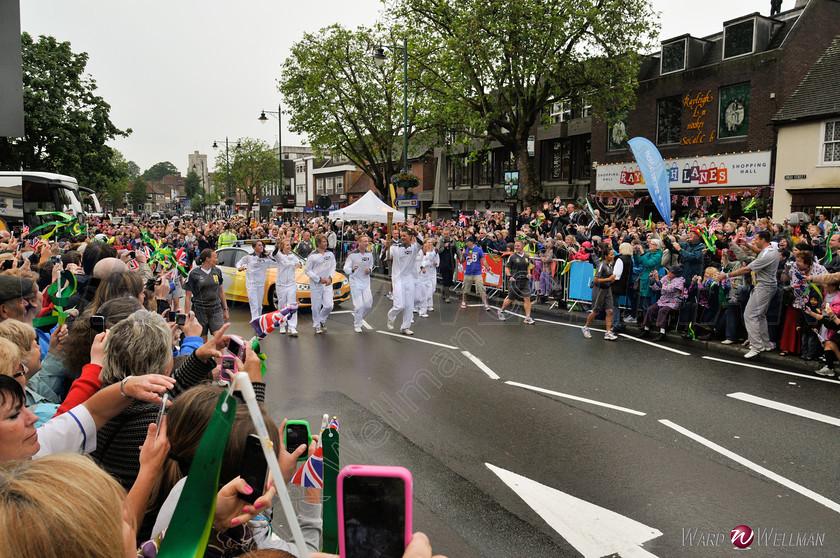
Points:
(183, 73)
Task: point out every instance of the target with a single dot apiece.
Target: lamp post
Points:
(263, 119)
(379, 59)
(228, 191)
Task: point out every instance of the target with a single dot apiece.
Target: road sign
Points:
(414, 202)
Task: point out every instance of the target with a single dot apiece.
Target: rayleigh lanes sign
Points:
(725, 171)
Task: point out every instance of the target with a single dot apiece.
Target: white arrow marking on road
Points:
(775, 477)
(785, 408)
(746, 365)
(483, 367)
(593, 531)
(576, 398)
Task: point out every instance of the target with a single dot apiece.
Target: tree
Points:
(192, 184)
(138, 195)
(133, 170)
(198, 203)
(252, 164)
(66, 123)
(156, 172)
(498, 64)
(346, 105)
(114, 191)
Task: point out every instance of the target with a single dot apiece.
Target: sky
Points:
(183, 74)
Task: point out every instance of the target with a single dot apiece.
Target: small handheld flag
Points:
(267, 323)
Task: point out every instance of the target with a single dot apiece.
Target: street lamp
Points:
(263, 119)
(215, 146)
(379, 59)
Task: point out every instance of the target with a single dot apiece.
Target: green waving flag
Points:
(329, 441)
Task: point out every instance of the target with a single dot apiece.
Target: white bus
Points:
(24, 193)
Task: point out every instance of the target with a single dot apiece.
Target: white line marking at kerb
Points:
(652, 344)
(341, 312)
(784, 408)
(483, 367)
(830, 504)
(367, 325)
(412, 338)
(576, 398)
(744, 364)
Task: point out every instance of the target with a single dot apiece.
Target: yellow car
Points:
(234, 280)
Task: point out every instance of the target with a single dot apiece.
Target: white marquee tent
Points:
(367, 208)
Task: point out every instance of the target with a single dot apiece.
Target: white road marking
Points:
(576, 326)
(834, 506)
(785, 408)
(414, 338)
(746, 365)
(652, 344)
(593, 531)
(341, 312)
(483, 367)
(576, 398)
(367, 325)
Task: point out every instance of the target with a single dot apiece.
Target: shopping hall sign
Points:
(725, 171)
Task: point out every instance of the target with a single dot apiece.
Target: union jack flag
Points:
(333, 423)
(24, 230)
(311, 474)
(148, 252)
(133, 265)
(462, 220)
(181, 257)
(33, 242)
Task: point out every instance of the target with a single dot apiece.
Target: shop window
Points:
(673, 57)
(734, 111)
(669, 120)
(738, 39)
(831, 143)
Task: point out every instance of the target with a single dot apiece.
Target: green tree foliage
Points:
(66, 123)
(348, 106)
(192, 184)
(133, 170)
(138, 195)
(114, 191)
(156, 172)
(198, 203)
(495, 66)
(252, 164)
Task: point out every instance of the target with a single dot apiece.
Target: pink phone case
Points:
(373, 471)
(223, 374)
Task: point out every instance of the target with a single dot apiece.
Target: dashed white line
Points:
(413, 338)
(576, 398)
(483, 367)
(367, 325)
(746, 365)
(769, 403)
(341, 312)
(830, 504)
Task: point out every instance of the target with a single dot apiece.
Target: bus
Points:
(24, 193)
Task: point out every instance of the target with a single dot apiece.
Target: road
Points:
(630, 449)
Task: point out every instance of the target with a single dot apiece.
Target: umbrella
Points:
(798, 218)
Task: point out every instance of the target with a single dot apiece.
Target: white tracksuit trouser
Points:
(403, 302)
(256, 292)
(362, 302)
(322, 302)
(287, 295)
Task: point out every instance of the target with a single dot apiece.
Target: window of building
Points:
(339, 185)
(734, 111)
(560, 159)
(466, 172)
(319, 186)
(673, 57)
(586, 108)
(617, 133)
(329, 184)
(738, 39)
(561, 111)
(831, 143)
(484, 168)
(669, 120)
(583, 157)
(508, 161)
(456, 171)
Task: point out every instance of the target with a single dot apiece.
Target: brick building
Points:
(708, 104)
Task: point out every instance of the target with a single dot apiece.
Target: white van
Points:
(24, 193)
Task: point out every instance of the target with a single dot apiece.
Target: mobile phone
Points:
(171, 316)
(180, 319)
(253, 468)
(132, 254)
(236, 347)
(228, 370)
(16, 231)
(97, 323)
(297, 433)
(374, 511)
(161, 413)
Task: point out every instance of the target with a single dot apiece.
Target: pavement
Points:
(529, 440)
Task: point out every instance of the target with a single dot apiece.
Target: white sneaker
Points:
(770, 348)
(357, 329)
(727, 342)
(501, 316)
(528, 320)
(610, 336)
(390, 295)
(324, 328)
(407, 331)
(319, 329)
(390, 325)
(424, 315)
(292, 332)
(463, 304)
(826, 371)
(586, 332)
(282, 330)
(487, 307)
(630, 320)
(430, 309)
(752, 353)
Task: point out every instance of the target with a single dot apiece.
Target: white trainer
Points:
(407, 332)
(390, 325)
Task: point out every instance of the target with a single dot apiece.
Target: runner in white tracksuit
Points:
(403, 276)
(255, 265)
(320, 268)
(357, 268)
(425, 289)
(285, 285)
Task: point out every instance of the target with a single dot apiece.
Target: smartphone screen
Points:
(253, 468)
(171, 315)
(97, 324)
(161, 413)
(181, 319)
(228, 370)
(296, 434)
(236, 348)
(374, 516)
